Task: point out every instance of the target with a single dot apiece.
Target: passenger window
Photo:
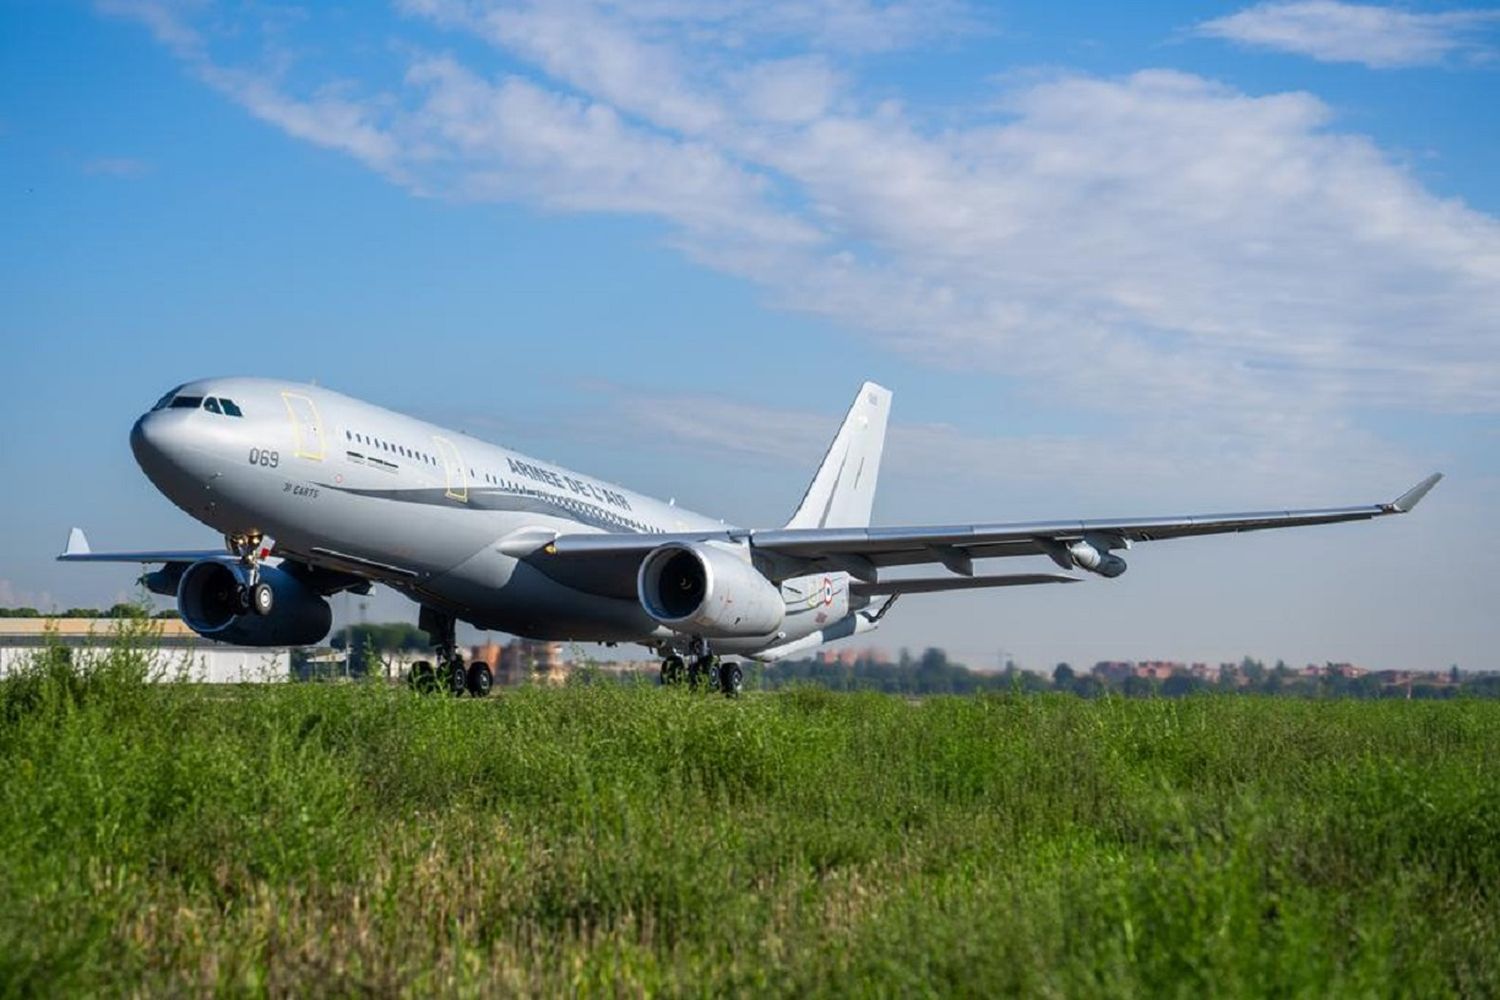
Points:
(212, 406)
(231, 409)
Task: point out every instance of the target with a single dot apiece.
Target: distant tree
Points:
(1089, 686)
(1063, 677)
(1179, 685)
(1138, 687)
(1253, 670)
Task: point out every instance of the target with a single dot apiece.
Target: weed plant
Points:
(357, 838)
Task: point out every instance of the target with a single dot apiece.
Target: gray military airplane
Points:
(317, 493)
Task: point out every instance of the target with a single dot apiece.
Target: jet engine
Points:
(708, 589)
(208, 597)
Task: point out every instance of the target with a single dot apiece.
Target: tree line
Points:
(933, 673)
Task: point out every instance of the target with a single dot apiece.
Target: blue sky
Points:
(1113, 260)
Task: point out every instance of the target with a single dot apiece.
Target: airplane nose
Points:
(149, 443)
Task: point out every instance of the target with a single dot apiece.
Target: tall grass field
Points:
(611, 839)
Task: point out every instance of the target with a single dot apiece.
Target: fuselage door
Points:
(453, 469)
(306, 427)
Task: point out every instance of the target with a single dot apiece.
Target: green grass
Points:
(351, 839)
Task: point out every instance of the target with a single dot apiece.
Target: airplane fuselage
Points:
(351, 486)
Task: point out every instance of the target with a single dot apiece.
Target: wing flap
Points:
(933, 585)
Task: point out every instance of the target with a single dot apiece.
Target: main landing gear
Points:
(254, 595)
(451, 674)
(703, 671)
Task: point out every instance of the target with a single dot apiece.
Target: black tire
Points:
(421, 678)
(731, 679)
(262, 599)
(673, 671)
(456, 678)
(480, 680)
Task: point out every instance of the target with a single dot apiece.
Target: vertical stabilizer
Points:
(843, 491)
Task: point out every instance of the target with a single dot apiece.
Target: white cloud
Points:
(1160, 246)
(1379, 37)
(10, 597)
(116, 166)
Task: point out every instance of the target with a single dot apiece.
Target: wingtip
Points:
(78, 543)
(1408, 500)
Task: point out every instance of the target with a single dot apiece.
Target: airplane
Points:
(318, 493)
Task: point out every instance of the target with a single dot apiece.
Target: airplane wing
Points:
(607, 563)
(78, 551)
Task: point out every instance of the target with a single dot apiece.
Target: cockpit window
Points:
(230, 408)
(212, 405)
(187, 402)
(165, 401)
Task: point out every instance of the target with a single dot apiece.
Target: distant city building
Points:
(1113, 671)
(850, 657)
(1158, 670)
(178, 652)
(521, 660)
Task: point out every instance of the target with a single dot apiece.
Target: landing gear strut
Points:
(451, 673)
(254, 594)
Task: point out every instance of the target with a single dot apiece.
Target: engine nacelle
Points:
(1086, 555)
(208, 600)
(708, 589)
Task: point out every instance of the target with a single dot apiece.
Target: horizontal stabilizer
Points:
(933, 585)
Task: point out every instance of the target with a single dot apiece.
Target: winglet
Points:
(1413, 496)
(78, 545)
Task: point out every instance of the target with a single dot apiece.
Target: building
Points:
(178, 653)
(1158, 670)
(523, 659)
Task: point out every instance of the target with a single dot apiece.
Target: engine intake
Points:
(708, 589)
(208, 600)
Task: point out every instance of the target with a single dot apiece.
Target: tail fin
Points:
(843, 491)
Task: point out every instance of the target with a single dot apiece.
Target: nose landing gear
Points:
(254, 594)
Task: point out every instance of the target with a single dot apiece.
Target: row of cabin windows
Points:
(396, 449)
(420, 456)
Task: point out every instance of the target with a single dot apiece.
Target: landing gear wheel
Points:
(731, 679)
(262, 599)
(703, 672)
(242, 602)
(422, 679)
(673, 671)
(457, 677)
(480, 680)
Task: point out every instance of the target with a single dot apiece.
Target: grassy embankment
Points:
(347, 839)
